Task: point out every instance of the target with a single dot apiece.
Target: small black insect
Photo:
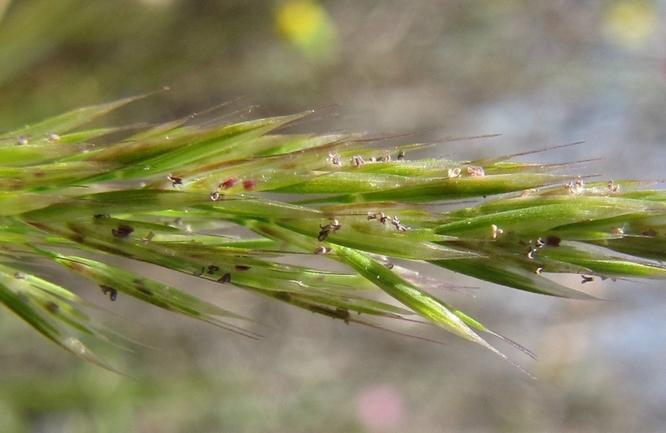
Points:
(243, 267)
(226, 278)
(212, 269)
(175, 180)
(123, 231)
(323, 234)
(325, 230)
(101, 216)
(107, 290)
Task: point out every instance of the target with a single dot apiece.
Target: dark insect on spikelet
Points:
(123, 231)
(175, 180)
(107, 290)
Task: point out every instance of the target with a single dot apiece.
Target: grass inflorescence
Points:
(73, 197)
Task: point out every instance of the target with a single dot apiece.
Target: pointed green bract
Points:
(66, 122)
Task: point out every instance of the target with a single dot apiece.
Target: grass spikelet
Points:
(167, 194)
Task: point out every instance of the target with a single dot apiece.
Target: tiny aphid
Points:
(228, 183)
(358, 160)
(19, 276)
(496, 231)
(212, 269)
(107, 290)
(53, 137)
(372, 216)
(539, 243)
(175, 180)
(242, 267)
(22, 141)
(215, 195)
(226, 278)
(401, 155)
(586, 279)
(612, 187)
(386, 158)
(389, 265)
(538, 271)
(530, 253)
(123, 231)
(383, 218)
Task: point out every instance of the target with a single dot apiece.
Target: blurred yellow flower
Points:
(306, 24)
(631, 22)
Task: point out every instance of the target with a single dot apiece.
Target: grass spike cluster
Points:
(164, 195)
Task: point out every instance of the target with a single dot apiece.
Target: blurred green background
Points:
(541, 73)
